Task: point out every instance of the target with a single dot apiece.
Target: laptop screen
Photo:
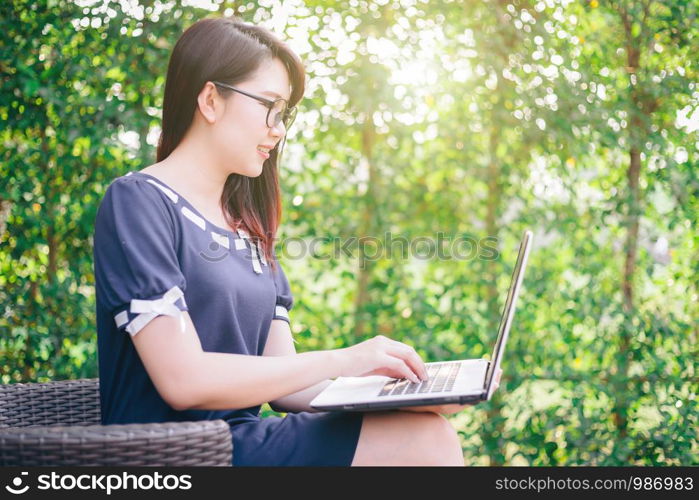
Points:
(508, 311)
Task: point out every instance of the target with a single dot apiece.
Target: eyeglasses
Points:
(278, 108)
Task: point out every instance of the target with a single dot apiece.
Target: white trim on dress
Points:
(169, 192)
(194, 218)
(150, 309)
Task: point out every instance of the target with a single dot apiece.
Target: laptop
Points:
(466, 381)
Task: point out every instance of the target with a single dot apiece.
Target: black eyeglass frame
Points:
(290, 113)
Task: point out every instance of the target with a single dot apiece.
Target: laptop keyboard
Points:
(440, 378)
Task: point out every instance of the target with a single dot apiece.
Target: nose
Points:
(278, 130)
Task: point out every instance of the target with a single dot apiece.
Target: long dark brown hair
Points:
(228, 50)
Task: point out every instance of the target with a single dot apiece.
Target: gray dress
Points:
(155, 254)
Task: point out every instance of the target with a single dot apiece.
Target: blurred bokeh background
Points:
(472, 119)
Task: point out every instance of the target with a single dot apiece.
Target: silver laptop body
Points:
(466, 381)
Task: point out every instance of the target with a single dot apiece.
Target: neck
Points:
(191, 160)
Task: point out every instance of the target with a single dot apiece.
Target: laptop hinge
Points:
(484, 395)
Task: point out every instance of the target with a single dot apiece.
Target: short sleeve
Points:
(137, 273)
(285, 299)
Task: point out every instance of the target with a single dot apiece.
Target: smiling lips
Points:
(264, 151)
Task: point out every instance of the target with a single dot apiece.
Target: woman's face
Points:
(243, 128)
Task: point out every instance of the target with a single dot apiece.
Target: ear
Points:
(209, 103)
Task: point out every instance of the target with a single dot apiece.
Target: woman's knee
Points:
(407, 438)
(442, 442)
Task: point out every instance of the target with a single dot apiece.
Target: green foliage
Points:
(474, 119)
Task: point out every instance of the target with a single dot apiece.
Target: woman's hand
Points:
(449, 409)
(381, 355)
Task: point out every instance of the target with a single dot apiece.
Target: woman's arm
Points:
(299, 401)
(280, 343)
(186, 377)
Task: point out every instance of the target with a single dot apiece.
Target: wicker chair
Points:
(58, 423)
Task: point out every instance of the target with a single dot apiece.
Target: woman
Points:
(184, 264)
